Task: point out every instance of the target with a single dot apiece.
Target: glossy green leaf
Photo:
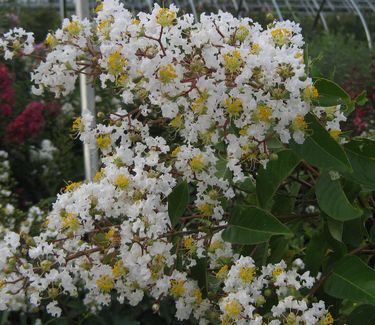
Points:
(250, 225)
(335, 228)
(361, 99)
(320, 149)
(269, 179)
(278, 246)
(363, 163)
(178, 201)
(199, 273)
(352, 279)
(315, 252)
(222, 170)
(247, 185)
(331, 94)
(363, 315)
(333, 201)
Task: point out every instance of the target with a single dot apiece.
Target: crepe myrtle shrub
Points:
(226, 185)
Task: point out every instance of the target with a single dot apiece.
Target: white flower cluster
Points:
(221, 79)
(11, 218)
(44, 153)
(200, 101)
(6, 204)
(16, 41)
(248, 289)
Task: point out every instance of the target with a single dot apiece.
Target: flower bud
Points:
(260, 301)
(45, 265)
(268, 292)
(155, 307)
(274, 156)
(53, 293)
(100, 115)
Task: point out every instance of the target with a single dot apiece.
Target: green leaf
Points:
(333, 201)
(222, 170)
(361, 99)
(364, 315)
(335, 228)
(331, 94)
(362, 163)
(269, 179)
(250, 225)
(320, 149)
(352, 279)
(247, 185)
(278, 246)
(199, 273)
(315, 252)
(178, 201)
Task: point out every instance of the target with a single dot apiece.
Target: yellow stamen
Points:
(105, 283)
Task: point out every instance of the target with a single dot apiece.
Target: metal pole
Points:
(277, 8)
(320, 14)
(192, 6)
(62, 8)
(363, 21)
(90, 154)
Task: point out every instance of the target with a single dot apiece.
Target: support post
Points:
(62, 9)
(87, 93)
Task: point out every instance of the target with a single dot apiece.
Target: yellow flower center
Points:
(99, 174)
(165, 17)
(122, 181)
(310, 92)
(188, 242)
(105, 283)
(51, 40)
(335, 133)
(167, 73)
(299, 55)
(255, 48)
(177, 288)
(176, 151)
(157, 266)
(199, 105)
(244, 130)
(299, 123)
(241, 33)
(118, 269)
(78, 125)
(104, 23)
(247, 274)
(233, 308)
(222, 273)
(73, 28)
(99, 7)
(116, 63)
(70, 221)
(233, 61)
(277, 271)
(197, 163)
(216, 244)
(206, 209)
(177, 122)
(72, 186)
(233, 105)
(264, 113)
(2, 283)
(281, 36)
(198, 295)
(327, 320)
(103, 140)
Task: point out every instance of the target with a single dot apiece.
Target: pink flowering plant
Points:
(226, 185)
